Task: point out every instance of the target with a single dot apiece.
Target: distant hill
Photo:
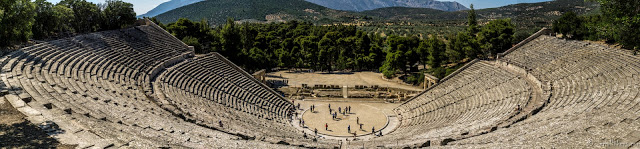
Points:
(217, 11)
(363, 5)
(548, 9)
(528, 16)
(166, 6)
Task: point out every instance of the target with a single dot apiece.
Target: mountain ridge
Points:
(167, 6)
(364, 5)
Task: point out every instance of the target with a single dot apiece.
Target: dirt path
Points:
(348, 79)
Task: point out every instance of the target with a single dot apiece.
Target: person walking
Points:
(315, 130)
(340, 109)
(349, 128)
(373, 130)
(358, 121)
(326, 126)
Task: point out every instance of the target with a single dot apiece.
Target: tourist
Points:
(330, 111)
(361, 126)
(380, 133)
(220, 123)
(349, 128)
(329, 106)
(302, 123)
(315, 130)
(358, 121)
(326, 126)
(340, 109)
(373, 130)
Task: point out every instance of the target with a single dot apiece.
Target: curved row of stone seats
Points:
(469, 103)
(208, 90)
(90, 90)
(208, 75)
(594, 100)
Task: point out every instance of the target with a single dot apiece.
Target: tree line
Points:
(618, 22)
(297, 44)
(21, 20)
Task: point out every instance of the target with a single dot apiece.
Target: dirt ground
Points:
(342, 79)
(370, 114)
(17, 132)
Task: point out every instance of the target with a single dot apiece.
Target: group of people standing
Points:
(334, 114)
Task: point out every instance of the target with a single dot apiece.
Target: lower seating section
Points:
(594, 97)
(208, 90)
(474, 100)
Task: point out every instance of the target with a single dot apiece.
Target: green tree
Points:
(436, 49)
(423, 51)
(118, 14)
(87, 16)
(192, 41)
(45, 20)
(16, 20)
(389, 67)
(496, 36)
(63, 18)
(329, 51)
(231, 39)
(472, 21)
(569, 25)
(463, 46)
(623, 21)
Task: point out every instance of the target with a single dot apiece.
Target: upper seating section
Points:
(594, 100)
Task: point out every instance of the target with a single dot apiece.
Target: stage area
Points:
(370, 115)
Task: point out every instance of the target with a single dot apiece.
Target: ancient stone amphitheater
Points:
(141, 87)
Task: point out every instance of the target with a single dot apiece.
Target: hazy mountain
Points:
(167, 6)
(363, 5)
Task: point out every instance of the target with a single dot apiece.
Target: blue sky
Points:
(142, 6)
